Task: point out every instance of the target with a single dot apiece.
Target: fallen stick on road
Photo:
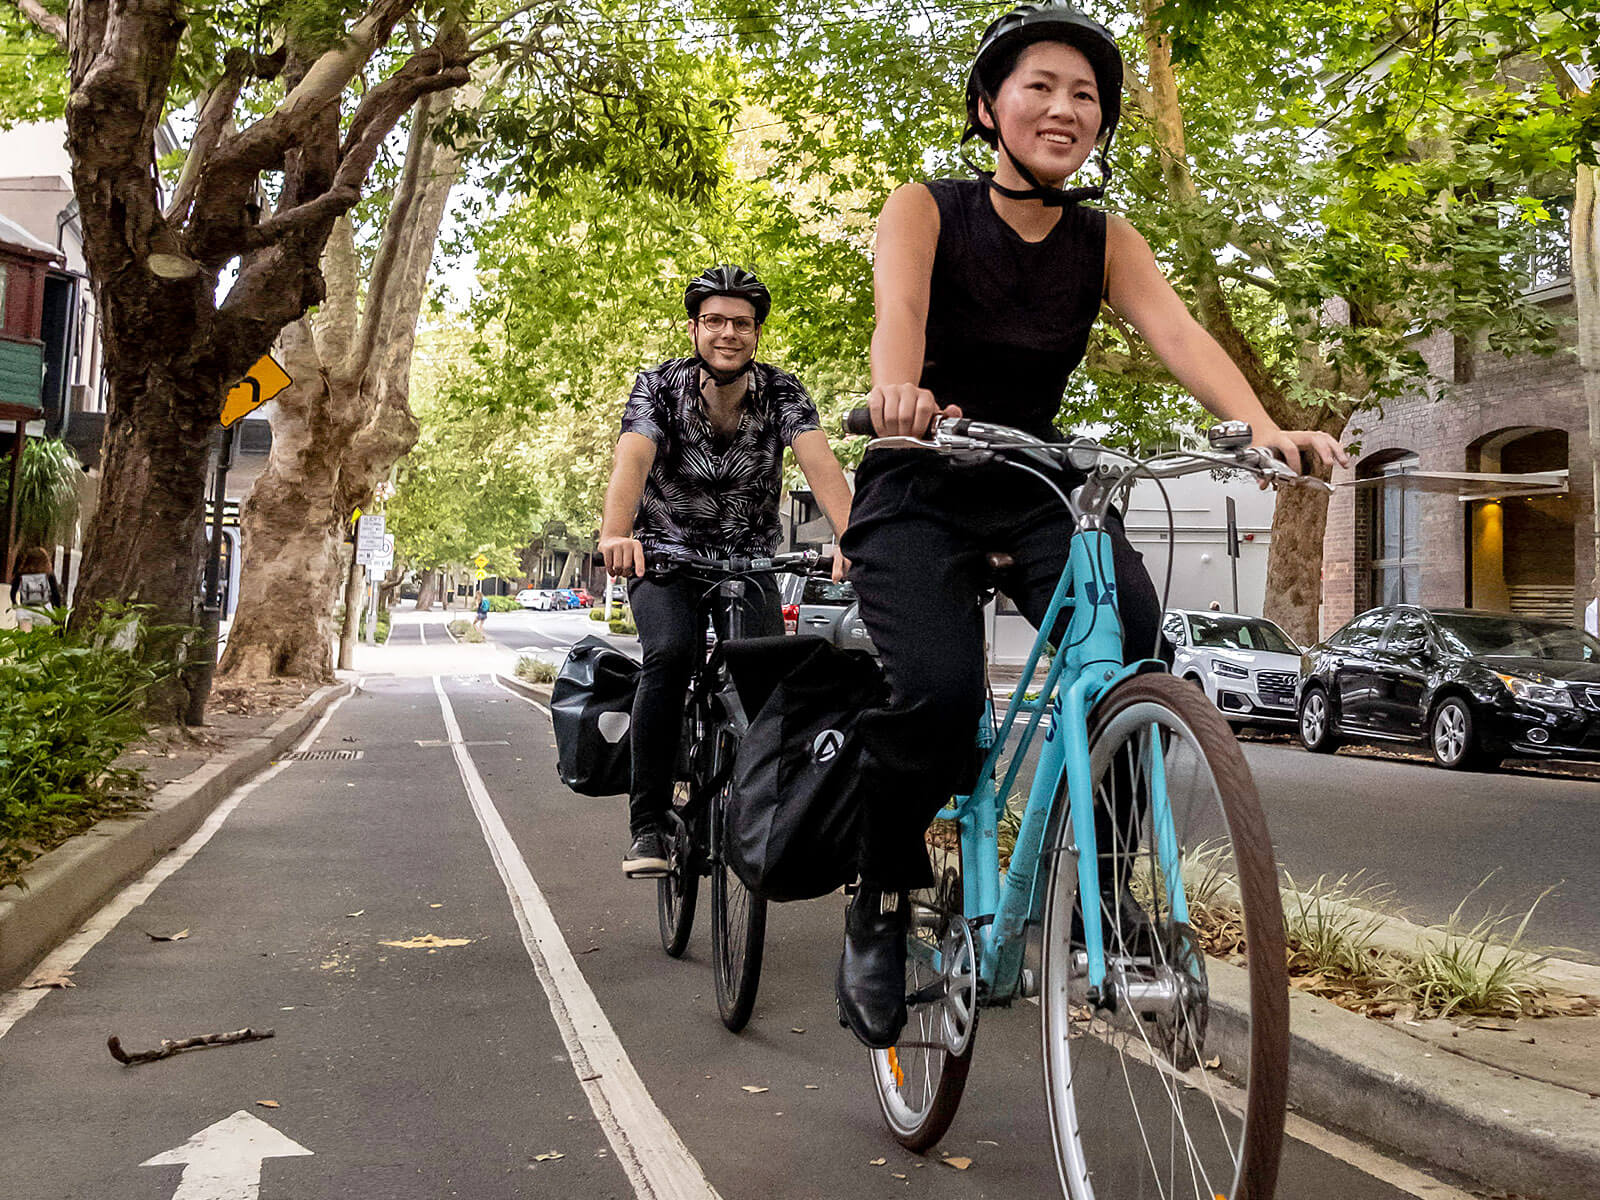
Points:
(170, 1047)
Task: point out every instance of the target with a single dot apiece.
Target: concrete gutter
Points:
(533, 691)
(69, 883)
(1530, 1138)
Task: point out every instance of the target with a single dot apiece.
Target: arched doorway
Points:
(1520, 548)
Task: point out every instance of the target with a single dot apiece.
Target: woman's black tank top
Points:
(1008, 320)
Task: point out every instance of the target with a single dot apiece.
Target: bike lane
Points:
(412, 1070)
(813, 1130)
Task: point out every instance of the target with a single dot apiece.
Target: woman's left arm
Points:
(1138, 291)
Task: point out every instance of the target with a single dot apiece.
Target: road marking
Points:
(19, 1002)
(422, 630)
(525, 699)
(223, 1161)
(657, 1163)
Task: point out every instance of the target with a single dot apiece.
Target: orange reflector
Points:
(900, 1076)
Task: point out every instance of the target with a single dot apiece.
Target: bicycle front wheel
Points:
(1169, 1077)
(679, 889)
(738, 934)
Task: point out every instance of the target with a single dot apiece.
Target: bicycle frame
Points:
(1086, 666)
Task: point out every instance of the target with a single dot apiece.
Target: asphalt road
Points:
(464, 1066)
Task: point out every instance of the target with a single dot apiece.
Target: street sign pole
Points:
(205, 667)
(1233, 551)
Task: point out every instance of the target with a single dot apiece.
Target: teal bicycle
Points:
(1139, 904)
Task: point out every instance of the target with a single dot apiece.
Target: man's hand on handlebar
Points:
(624, 556)
(905, 410)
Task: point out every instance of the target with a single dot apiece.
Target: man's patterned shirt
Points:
(708, 493)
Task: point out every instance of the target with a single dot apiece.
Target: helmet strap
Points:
(724, 378)
(1047, 194)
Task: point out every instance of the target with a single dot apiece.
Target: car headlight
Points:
(1553, 694)
(1229, 671)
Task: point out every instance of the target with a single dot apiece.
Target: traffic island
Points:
(62, 888)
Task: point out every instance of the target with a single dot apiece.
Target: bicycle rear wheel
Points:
(738, 933)
(678, 890)
(919, 1080)
(1141, 1088)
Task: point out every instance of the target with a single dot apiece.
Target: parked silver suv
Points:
(830, 610)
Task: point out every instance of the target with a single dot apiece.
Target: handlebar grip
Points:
(858, 423)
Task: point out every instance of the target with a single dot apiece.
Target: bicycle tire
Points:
(1156, 1113)
(678, 891)
(738, 932)
(919, 1114)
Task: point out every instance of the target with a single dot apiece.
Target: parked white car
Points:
(537, 599)
(1247, 666)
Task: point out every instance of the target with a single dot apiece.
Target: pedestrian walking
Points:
(483, 611)
(35, 594)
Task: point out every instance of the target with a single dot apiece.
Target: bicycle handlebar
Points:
(799, 562)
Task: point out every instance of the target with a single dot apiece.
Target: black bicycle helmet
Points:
(728, 280)
(1003, 41)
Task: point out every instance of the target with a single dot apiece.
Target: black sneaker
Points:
(647, 857)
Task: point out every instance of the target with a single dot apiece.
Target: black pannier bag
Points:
(794, 815)
(591, 709)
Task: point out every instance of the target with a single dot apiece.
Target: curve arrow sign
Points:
(223, 1161)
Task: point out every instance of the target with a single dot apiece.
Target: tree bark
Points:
(342, 432)
(171, 350)
(1294, 560)
(427, 587)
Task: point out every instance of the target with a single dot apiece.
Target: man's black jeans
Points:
(670, 613)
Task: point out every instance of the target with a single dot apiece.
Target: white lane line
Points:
(520, 696)
(19, 1002)
(657, 1163)
(422, 630)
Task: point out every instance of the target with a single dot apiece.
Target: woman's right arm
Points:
(908, 235)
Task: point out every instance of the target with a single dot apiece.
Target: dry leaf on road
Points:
(357, 912)
(752, 1089)
(550, 1157)
(958, 1162)
(877, 1162)
(50, 979)
(428, 941)
(166, 937)
(268, 1104)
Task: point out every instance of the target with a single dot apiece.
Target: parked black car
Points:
(1474, 686)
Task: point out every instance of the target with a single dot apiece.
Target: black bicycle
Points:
(714, 723)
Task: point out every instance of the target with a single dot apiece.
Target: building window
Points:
(1394, 532)
(1547, 259)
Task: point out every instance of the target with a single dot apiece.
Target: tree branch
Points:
(45, 20)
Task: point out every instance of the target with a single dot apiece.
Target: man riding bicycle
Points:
(698, 470)
(986, 290)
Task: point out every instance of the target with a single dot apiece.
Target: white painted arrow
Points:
(223, 1161)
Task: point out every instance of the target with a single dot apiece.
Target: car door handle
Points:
(819, 621)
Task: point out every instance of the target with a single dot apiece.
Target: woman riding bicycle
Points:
(986, 290)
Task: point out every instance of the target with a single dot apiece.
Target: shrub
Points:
(503, 604)
(535, 670)
(465, 631)
(70, 703)
(622, 621)
(380, 630)
(597, 613)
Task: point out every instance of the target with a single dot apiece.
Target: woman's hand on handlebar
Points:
(624, 556)
(905, 410)
(1305, 449)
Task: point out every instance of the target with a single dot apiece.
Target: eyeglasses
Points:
(716, 323)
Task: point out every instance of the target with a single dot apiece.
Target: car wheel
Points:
(1316, 722)
(1453, 736)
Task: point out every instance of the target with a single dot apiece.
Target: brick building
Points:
(1411, 523)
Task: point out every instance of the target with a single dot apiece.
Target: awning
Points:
(1471, 485)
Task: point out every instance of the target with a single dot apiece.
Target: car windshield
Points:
(1239, 633)
(1515, 637)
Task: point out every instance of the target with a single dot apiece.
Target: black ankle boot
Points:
(871, 986)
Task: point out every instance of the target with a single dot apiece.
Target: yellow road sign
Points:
(480, 573)
(265, 380)
(480, 561)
